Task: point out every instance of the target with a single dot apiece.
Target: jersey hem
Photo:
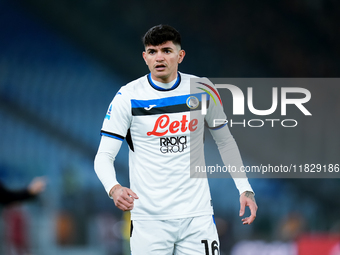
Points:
(171, 217)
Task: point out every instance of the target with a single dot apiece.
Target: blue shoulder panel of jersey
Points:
(166, 101)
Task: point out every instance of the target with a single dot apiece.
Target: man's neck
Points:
(164, 85)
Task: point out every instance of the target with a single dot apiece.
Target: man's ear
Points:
(181, 56)
(144, 57)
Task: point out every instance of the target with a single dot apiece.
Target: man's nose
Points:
(159, 56)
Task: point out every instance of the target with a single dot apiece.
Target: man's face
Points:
(163, 61)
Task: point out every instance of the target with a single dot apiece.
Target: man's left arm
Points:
(231, 156)
(228, 149)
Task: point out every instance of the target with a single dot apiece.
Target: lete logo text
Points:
(163, 125)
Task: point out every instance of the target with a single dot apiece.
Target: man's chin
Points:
(161, 75)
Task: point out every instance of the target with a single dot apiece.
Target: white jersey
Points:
(162, 134)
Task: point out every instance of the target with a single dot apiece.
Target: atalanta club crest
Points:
(192, 102)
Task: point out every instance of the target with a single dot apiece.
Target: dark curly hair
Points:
(160, 34)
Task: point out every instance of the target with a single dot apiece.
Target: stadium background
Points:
(62, 61)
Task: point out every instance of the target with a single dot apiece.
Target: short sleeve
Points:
(118, 117)
(215, 117)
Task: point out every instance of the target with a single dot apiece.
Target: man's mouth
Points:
(160, 67)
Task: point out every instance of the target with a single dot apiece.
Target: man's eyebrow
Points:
(162, 49)
(150, 49)
(167, 48)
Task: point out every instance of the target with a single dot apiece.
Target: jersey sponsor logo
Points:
(192, 102)
(163, 126)
(150, 107)
(173, 144)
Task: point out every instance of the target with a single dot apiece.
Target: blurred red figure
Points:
(15, 219)
(16, 231)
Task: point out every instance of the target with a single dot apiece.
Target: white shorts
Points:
(191, 236)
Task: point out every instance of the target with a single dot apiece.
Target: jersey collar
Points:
(178, 81)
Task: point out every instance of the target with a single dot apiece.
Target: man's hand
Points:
(247, 199)
(123, 197)
(37, 185)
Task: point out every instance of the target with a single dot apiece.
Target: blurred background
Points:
(61, 63)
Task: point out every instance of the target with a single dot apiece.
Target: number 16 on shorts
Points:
(210, 249)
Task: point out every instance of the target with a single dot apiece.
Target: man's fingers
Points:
(124, 198)
(124, 207)
(245, 221)
(251, 218)
(132, 194)
(247, 199)
(248, 220)
(243, 206)
(128, 199)
(124, 203)
(253, 210)
(125, 195)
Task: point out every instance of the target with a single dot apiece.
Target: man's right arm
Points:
(103, 164)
